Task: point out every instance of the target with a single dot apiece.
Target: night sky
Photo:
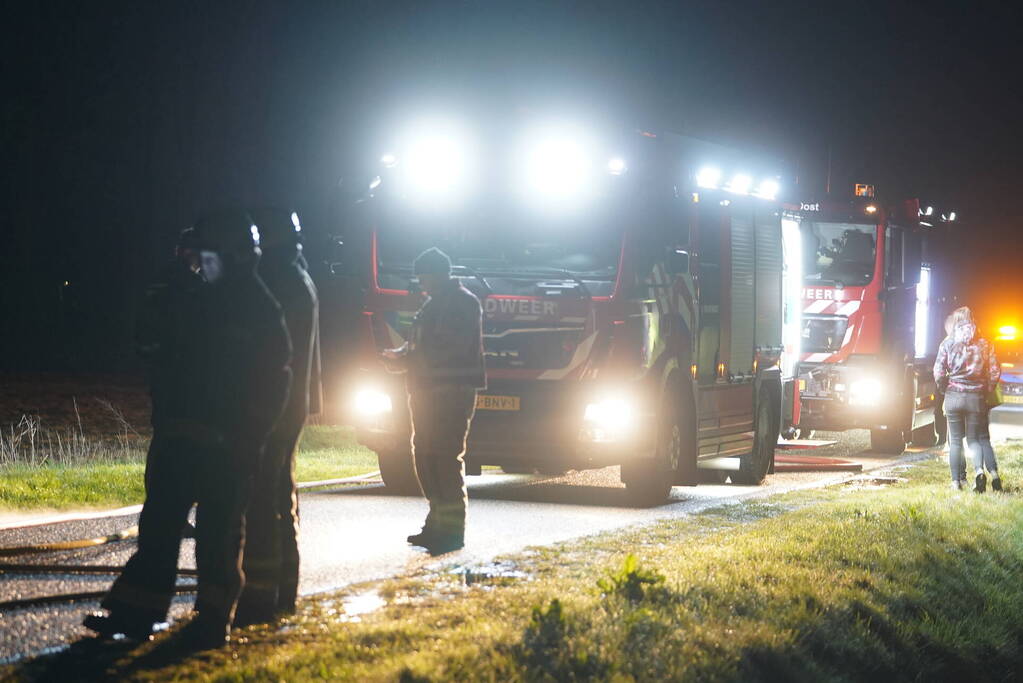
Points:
(121, 122)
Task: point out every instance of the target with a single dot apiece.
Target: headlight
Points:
(608, 420)
(371, 402)
(865, 392)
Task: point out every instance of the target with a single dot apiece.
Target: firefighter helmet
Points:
(230, 233)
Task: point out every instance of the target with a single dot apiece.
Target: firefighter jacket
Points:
(168, 313)
(289, 282)
(234, 369)
(445, 345)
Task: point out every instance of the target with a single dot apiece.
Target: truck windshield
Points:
(838, 253)
(514, 254)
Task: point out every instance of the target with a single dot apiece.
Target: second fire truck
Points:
(868, 332)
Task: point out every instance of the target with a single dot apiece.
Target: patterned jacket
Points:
(967, 362)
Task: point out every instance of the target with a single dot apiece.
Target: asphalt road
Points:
(356, 534)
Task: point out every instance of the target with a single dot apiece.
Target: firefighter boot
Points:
(202, 634)
(449, 532)
(132, 627)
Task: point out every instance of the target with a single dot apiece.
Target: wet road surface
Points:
(356, 534)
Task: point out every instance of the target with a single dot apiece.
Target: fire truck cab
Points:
(868, 336)
(633, 310)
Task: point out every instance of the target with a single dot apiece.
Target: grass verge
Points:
(325, 452)
(906, 581)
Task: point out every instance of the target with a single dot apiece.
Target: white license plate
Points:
(488, 402)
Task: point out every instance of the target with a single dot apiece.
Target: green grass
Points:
(324, 453)
(332, 453)
(906, 582)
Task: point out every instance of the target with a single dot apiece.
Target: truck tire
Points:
(399, 473)
(888, 441)
(893, 441)
(754, 465)
(926, 436)
(648, 481)
(712, 476)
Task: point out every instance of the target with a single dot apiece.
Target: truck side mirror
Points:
(676, 261)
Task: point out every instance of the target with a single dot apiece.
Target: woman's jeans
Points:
(967, 416)
(990, 464)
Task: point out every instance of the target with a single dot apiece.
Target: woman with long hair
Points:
(966, 366)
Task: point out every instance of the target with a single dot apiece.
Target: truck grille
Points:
(508, 346)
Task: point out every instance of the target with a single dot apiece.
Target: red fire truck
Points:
(868, 335)
(632, 304)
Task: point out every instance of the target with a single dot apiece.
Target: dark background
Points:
(122, 121)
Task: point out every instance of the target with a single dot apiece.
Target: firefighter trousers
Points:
(271, 549)
(440, 425)
(180, 472)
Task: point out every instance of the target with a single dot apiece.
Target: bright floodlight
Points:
(616, 166)
(708, 177)
(929, 211)
(557, 166)
(436, 166)
(740, 184)
(768, 189)
(952, 216)
(435, 158)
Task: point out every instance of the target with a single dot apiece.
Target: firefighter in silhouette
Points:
(271, 527)
(443, 362)
(161, 317)
(225, 387)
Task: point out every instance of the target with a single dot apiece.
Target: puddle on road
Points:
(490, 574)
(354, 606)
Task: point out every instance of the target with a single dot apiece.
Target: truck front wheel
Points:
(399, 473)
(648, 481)
(753, 466)
(926, 436)
(892, 441)
(887, 441)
